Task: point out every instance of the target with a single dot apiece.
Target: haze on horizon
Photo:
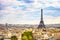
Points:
(28, 11)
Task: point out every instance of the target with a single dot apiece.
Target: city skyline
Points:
(28, 11)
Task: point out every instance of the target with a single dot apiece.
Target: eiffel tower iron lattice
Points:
(41, 24)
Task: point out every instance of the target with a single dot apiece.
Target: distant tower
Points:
(41, 25)
(6, 26)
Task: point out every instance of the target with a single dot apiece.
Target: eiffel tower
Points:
(41, 25)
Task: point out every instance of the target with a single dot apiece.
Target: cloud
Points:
(28, 1)
(1, 7)
(52, 8)
(52, 20)
(28, 11)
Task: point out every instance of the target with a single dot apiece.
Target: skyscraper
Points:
(41, 24)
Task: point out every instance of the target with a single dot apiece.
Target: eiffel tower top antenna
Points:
(41, 14)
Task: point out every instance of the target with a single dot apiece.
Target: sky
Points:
(28, 11)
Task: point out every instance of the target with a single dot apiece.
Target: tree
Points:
(27, 35)
(2, 39)
(14, 38)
